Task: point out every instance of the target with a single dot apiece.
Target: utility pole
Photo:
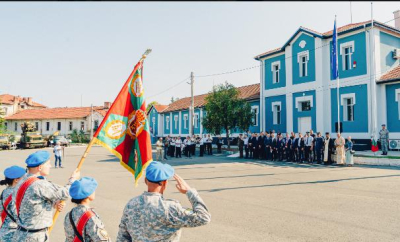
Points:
(192, 105)
(91, 121)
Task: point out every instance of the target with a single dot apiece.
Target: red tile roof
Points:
(160, 107)
(393, 74)
(9, 99)
(56, 113)
(245, 92)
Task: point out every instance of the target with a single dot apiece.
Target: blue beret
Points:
(37, 158)
(82, 188)
(383, 125)
(158, 171)
(14, 172)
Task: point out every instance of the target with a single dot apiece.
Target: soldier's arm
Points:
(53, 192)
(123, 234)
(186, 217)
(95, 230)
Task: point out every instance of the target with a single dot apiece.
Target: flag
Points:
(124, 130)
(374, 146)
(334, 60)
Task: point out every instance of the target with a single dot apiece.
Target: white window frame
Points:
(300, 56)
(185, 119)
(254, 110)
(70, 126)
(397, 99)
(343, 46)
(275, 71)
(196, 120)
(275, 106)
(176, 117)
(343, 102)
(167, 121)
(299, 100)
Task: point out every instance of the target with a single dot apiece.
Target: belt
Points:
(31, 230)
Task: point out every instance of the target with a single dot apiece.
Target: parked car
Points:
(63, 141)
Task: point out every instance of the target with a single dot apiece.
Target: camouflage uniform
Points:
(150, 217)
(384, 138)
(9, 227)
(94, 229)
(36, 210)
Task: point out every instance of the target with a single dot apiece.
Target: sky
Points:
(68, 54)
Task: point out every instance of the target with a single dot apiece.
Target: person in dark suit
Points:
(319, 144)
(280, 146)
(240, 144)
(274, 147)
(254, 142)
(261, 147)
(292, 147)
(300, 148)
(329, 149)
(251, 146)
(267, 144)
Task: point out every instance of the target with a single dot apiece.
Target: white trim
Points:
(176, 119)
(397, 91)
(303, 53)
(276, 103)
(299, 56)
(302, 44)
(347, 95)
(185, 118)
(276, 63)
(345, 45)
(274, 113)
(273, 64)
(257, 113)
(303, 99)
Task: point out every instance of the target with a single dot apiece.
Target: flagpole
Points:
(337, 78)
(93, 139)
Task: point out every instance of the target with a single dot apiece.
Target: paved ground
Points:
(253, 201)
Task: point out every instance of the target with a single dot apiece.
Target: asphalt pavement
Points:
(251, 200)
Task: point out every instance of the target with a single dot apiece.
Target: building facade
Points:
(298, 92)
(10, 104)
(174, 119)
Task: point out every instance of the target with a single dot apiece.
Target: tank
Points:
(5, 142)
(30, 137)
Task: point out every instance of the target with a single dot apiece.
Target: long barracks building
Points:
(298, 92)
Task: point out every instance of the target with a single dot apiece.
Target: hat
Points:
(383, 124)
(14, 172)
(158, 171)
(82, 188)
(37, 158)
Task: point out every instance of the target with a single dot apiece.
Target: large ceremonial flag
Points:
(374, 146)
(334, 59)
(124, 130)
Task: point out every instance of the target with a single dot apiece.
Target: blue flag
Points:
(334, 67)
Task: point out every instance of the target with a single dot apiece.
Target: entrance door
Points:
(304, 124)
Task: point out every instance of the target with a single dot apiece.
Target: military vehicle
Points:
(5, 142)
(30, 138)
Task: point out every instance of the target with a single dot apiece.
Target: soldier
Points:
(34, 198)
(8, 225)
(150, 217)
(384, 138)
(82, 222)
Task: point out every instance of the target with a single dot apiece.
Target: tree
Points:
(225, 111)
(174, 99)
(2, 120)
(151, 104)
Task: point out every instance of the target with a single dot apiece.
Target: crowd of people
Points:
(308, 148)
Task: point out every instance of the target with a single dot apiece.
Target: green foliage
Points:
(79, 136)
(3, 129)
(225, 111)
(151, 104)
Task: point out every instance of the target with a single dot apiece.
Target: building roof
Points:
(160, 107)
(248, 92)
(9, 99)
(328, 34)
(56, 113)
(391, 75)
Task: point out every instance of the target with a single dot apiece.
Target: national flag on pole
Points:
(334, 62)
(374, 145)
(124, 130)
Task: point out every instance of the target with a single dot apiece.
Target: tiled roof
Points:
(9, 99)
(246, 92)
(160, 107)
(393, 74)
(55, 113)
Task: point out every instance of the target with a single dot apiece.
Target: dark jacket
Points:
(319, 143)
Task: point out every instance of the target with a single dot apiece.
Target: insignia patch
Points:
(104, 233)
(188, 211)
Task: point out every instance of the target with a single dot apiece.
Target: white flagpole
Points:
(337, 78)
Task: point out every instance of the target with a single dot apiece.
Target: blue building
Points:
(174, 119)
(298, 92)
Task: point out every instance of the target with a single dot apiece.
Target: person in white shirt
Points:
(246, 145)
(58, 151)
(159, 148)
(173, 147)
(308, 140)
(178, 145)
(188, 145)
(202, 145)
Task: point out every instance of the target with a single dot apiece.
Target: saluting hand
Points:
(182, 186)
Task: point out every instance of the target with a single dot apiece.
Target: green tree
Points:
(151, 104)
(2, 121)
(225, 111)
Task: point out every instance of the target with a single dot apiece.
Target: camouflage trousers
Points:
(6, 234)
(30, 237)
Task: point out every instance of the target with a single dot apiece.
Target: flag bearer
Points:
(82, 222)
(34, 198)
(151, 217)
(8, 225)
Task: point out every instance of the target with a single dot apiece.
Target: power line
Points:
(170, 87)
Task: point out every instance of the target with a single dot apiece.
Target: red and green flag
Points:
(124, 130)
(374, 146)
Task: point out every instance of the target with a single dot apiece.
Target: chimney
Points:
(29, 101)
(397, 19)
(16, 99)
(107, 105)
